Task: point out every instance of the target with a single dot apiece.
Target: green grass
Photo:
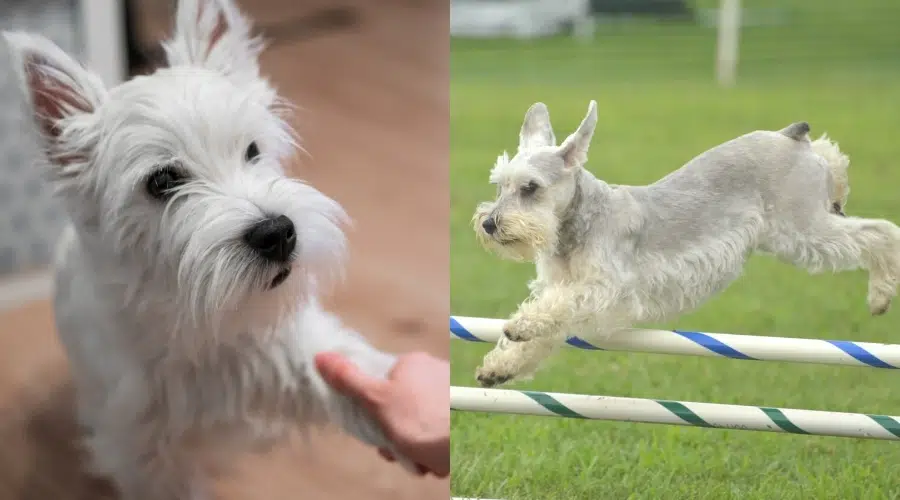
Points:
(658, 108)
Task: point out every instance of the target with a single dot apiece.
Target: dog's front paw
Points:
(512, 361)
(525, 327)
(880, 296)
(359, 423)
(879, 305)
(499, 366)
(517, 330)
(490, 378)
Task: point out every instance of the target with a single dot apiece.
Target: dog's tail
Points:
(797, 131)
(838, 164)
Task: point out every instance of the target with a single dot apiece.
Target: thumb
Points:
(346, 378)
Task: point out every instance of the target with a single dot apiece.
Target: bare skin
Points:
(412, 404)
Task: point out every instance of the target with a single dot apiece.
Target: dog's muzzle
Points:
(274, 239)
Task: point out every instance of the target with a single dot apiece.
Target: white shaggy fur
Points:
(609, 256)
(184, 343)
(838, 163)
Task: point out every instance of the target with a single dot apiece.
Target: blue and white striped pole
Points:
(724, 345)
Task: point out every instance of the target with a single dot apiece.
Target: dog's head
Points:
(534, 188)
(176, 178)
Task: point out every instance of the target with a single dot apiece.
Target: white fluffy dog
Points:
(609, 256)
(186, 281)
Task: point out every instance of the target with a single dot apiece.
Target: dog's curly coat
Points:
(609, 256)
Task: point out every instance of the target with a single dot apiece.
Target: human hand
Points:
(412, 404)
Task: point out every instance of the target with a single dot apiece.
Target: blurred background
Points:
(673, 78)
(370, 80)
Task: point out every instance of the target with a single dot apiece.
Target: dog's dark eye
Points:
(252, 152)
(162, 183)
(529, 188)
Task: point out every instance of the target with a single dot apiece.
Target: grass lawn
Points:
(658, 108)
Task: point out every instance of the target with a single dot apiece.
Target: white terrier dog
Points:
(609, 256)
(186, 281)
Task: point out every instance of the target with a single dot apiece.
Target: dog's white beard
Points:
(215, 284)
(520, 236)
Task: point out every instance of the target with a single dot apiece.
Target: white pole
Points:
(725, 345)
(729, 28)
(656, 411)
(584, 23)
(103, 36)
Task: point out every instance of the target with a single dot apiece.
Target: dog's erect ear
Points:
(575, 148)
(57, 88)
(536, 129)
(215, 35)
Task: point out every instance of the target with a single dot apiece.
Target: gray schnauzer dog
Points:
(609, 256)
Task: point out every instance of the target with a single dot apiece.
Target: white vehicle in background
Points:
(519, 18)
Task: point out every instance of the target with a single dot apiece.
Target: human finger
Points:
(386, 455)
(346, 378)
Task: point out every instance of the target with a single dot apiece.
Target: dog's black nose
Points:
(489, 225)
(273, 239)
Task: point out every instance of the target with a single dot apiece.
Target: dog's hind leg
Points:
(836, 243)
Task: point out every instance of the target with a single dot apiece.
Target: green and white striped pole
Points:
(654, 411)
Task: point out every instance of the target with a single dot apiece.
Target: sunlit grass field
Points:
(834, 66)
